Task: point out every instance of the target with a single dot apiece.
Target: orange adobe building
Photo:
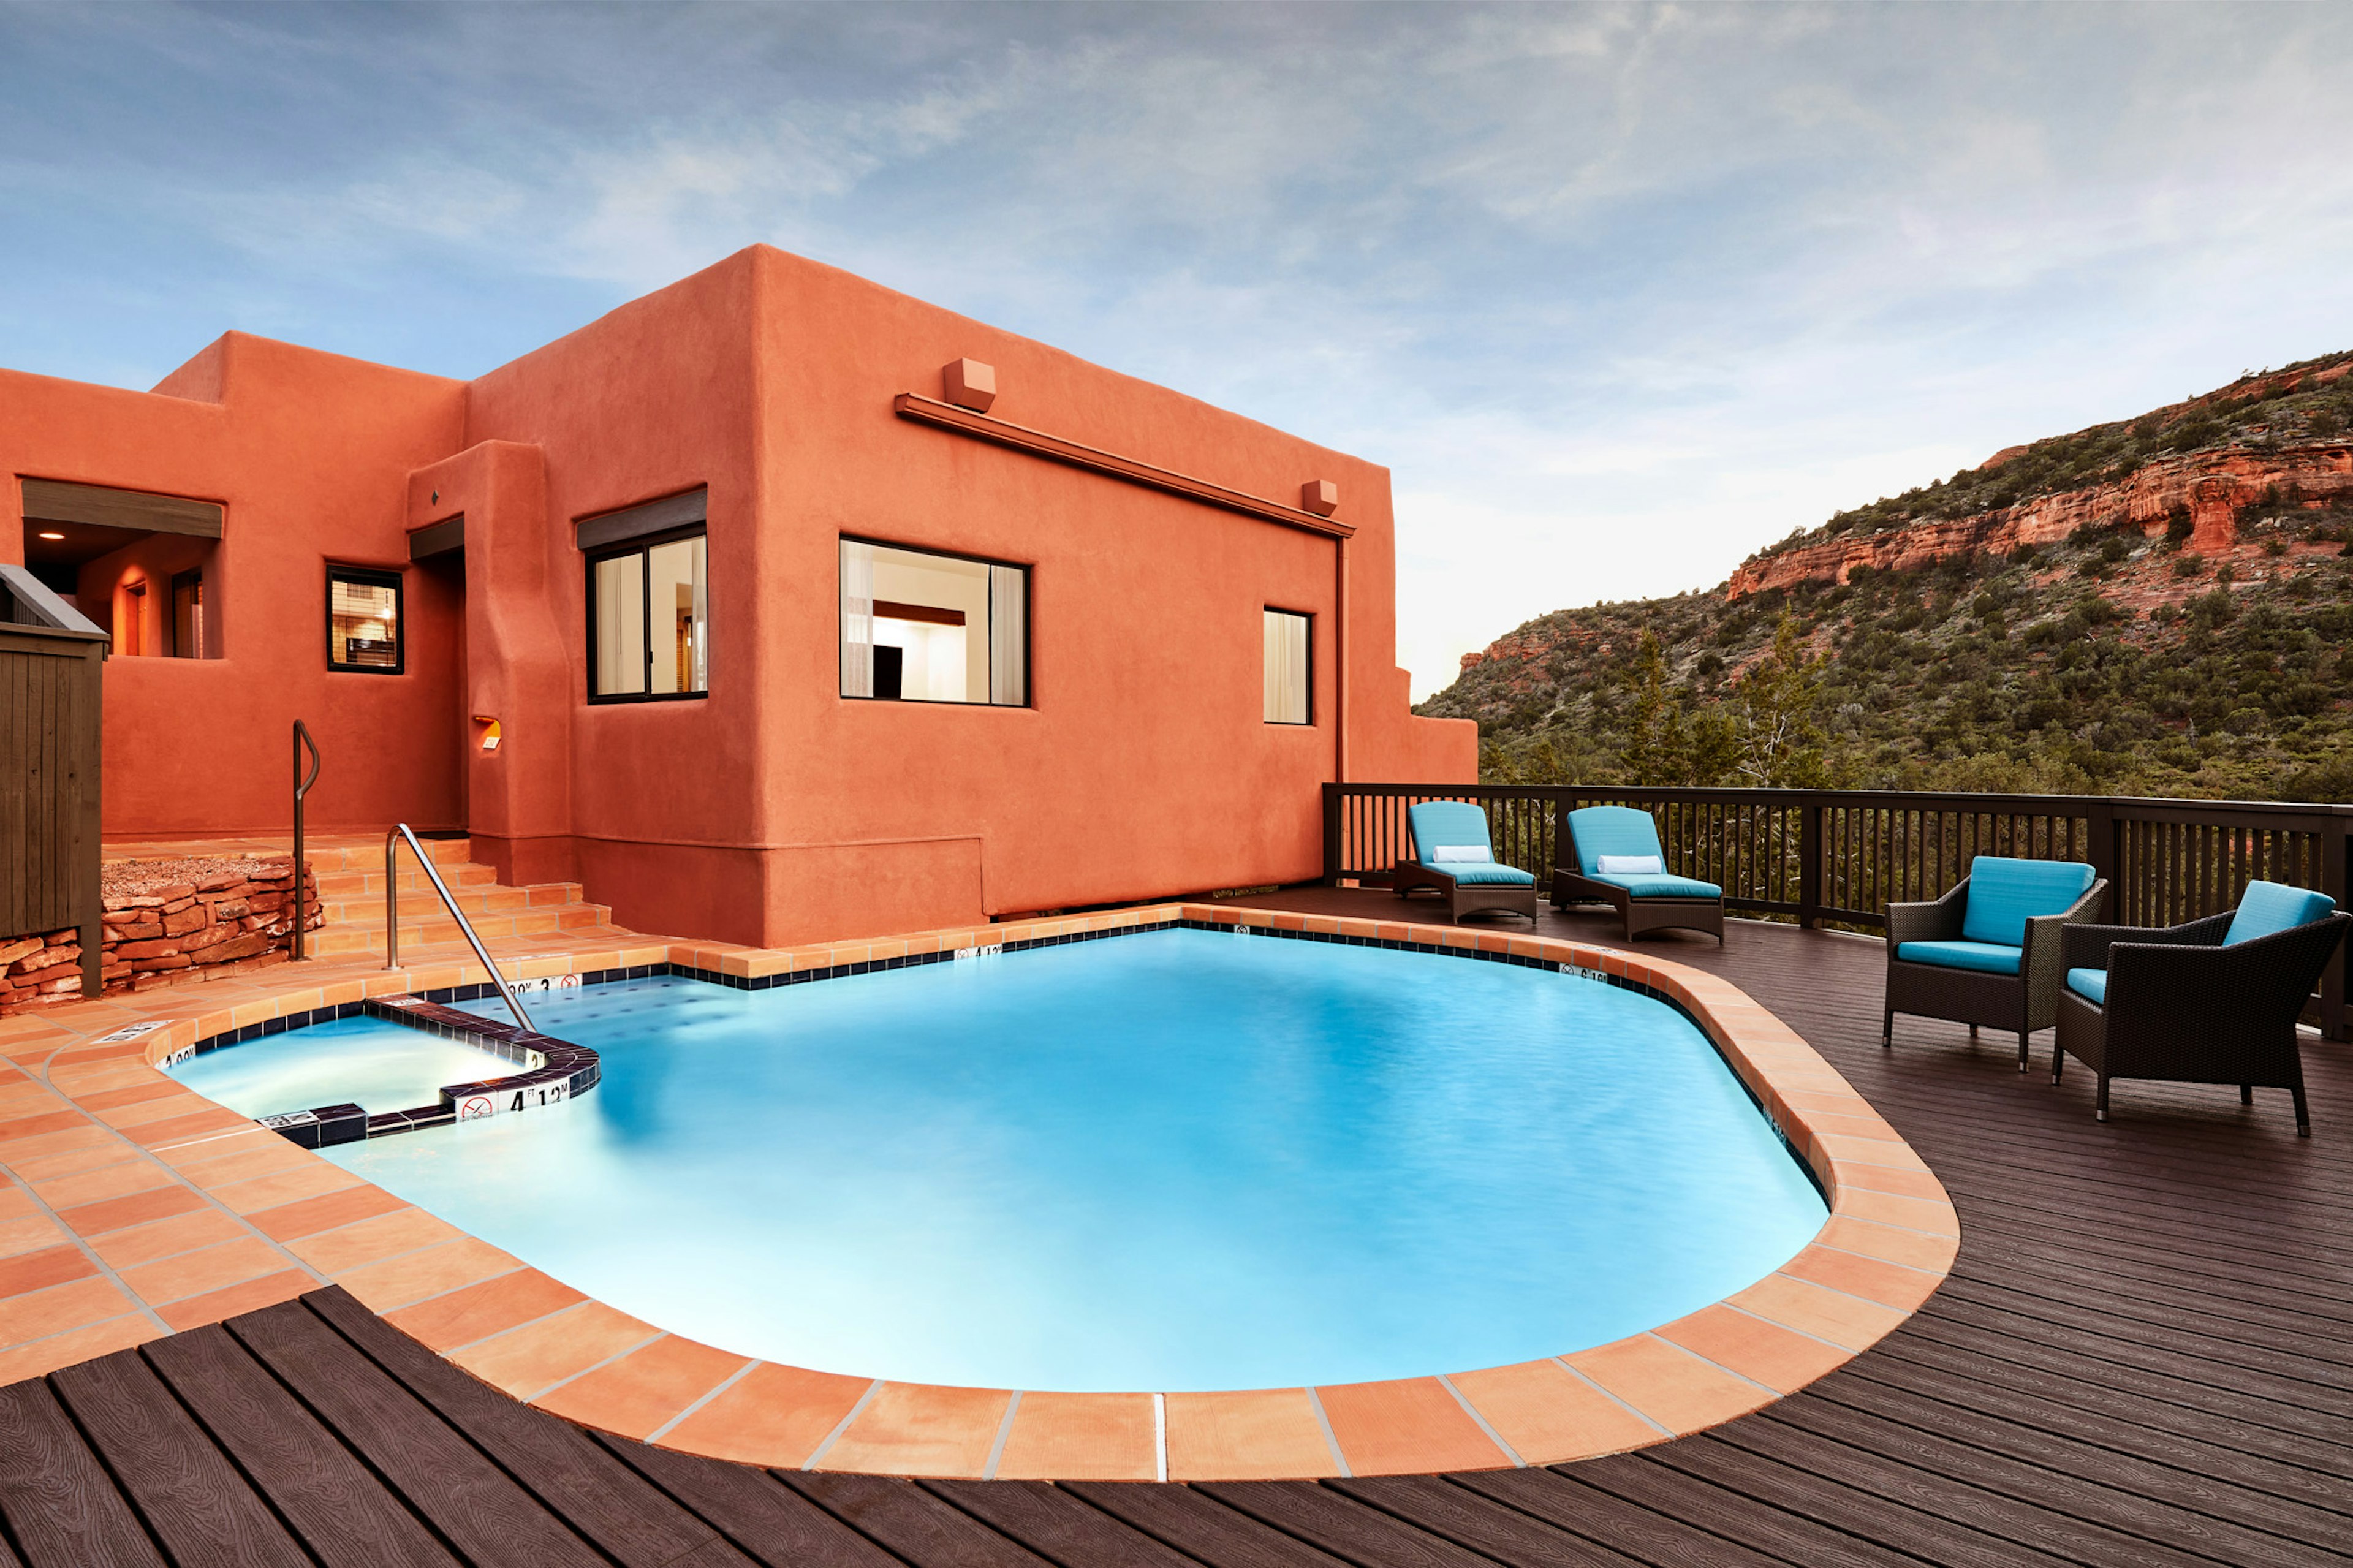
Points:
(735, 606)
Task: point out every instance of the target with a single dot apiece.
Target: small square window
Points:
(1289, 667)
(364, 621)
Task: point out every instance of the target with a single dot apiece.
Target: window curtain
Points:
(856, 619)
(1008, 639)
(1286, 668)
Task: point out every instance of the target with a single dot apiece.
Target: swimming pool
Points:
(1175, 1160)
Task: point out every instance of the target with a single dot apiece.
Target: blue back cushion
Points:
(1437, 822)
(2267, 909)
(2005, 894)
(1612, 830)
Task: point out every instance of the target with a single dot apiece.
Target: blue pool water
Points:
(380, 1066)
(1180, 1160)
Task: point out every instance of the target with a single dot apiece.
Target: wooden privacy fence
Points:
(1843, 856)
(50, 663)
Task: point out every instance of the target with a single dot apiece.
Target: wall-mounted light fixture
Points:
(490, 735)
(1320, 497)
(46, 535)
(968, 383)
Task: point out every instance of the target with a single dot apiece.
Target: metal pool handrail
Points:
(303, 782)
(392, 916)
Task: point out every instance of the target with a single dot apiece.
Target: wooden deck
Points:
(2144, 1357)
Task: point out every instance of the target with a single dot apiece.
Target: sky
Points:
(1618, 294)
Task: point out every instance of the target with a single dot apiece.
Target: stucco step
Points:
(369, 879)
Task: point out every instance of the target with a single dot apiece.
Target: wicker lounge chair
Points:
(1454, 860)
(2213, 1000)
(1987, 952)
(1646, 896)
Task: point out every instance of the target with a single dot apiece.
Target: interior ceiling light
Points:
(53, 536)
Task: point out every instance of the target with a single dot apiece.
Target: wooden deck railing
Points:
(1843, 856)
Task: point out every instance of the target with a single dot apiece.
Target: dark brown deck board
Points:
(1201, 1527)
(909, 1521)
(617, 1509)
(2143, 1358)
(1340, 1525)
(476, 1507)
(335, 1505)
(1056, 1524)
(768, 1520)
(187, 1490)
(1437, 1505)
(59, 1503)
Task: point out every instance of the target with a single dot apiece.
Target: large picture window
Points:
(649, 621)
(1287, 667)
(919, 626)
(362, 619)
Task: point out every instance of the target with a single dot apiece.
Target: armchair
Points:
(1987, 951)
(2211, 1001)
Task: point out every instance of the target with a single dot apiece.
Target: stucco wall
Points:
(774, 810)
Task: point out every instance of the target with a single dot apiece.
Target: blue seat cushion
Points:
(1989, 957)
(1490, 875)
(1659, 884)
(2005, 894)
(2267, 909)
(1612, 830)
(2092, 984)
(1453, 822)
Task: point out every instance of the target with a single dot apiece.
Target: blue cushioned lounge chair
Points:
(2213, 1000)
(1636, 882)
(1987, 951)
(1454, 858)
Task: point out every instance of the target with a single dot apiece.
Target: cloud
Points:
(1619, 292)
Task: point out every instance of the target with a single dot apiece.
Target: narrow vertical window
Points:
(188, 614)
(1287, 684)
(650, 620)
(921, 627)
(364, 630)
(130, 635)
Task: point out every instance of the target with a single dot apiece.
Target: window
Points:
(362, 619)
(650, 620)
(1287, 667)
(918, 626)
(131, 630)
(188, 614)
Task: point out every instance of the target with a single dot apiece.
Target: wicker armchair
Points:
(2021, 1002)
(2180, 1006)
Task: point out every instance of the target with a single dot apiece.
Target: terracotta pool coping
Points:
(273, 1220)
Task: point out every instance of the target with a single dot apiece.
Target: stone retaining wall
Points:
(167, 922)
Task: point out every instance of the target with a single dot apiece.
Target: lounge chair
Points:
(1987, 952)
(1615, 850)
(2213, 1000)
(1454, 858)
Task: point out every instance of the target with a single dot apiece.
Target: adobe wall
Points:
(777, 811)
(305, 451)
(774, 811)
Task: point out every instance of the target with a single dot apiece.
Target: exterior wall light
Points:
(46, 535)
(1320, 497)
(968, 383)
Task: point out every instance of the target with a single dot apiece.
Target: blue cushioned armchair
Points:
(1635, 882)
(1454, 858)
(2213, 1000)
(1987, 952)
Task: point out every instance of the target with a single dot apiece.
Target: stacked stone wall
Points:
(167, 922)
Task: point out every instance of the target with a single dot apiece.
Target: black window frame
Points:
(371, 577)
(1029, 626)
(1309, 616)
(642, 546)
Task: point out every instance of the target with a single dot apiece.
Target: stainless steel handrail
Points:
(392, 916)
